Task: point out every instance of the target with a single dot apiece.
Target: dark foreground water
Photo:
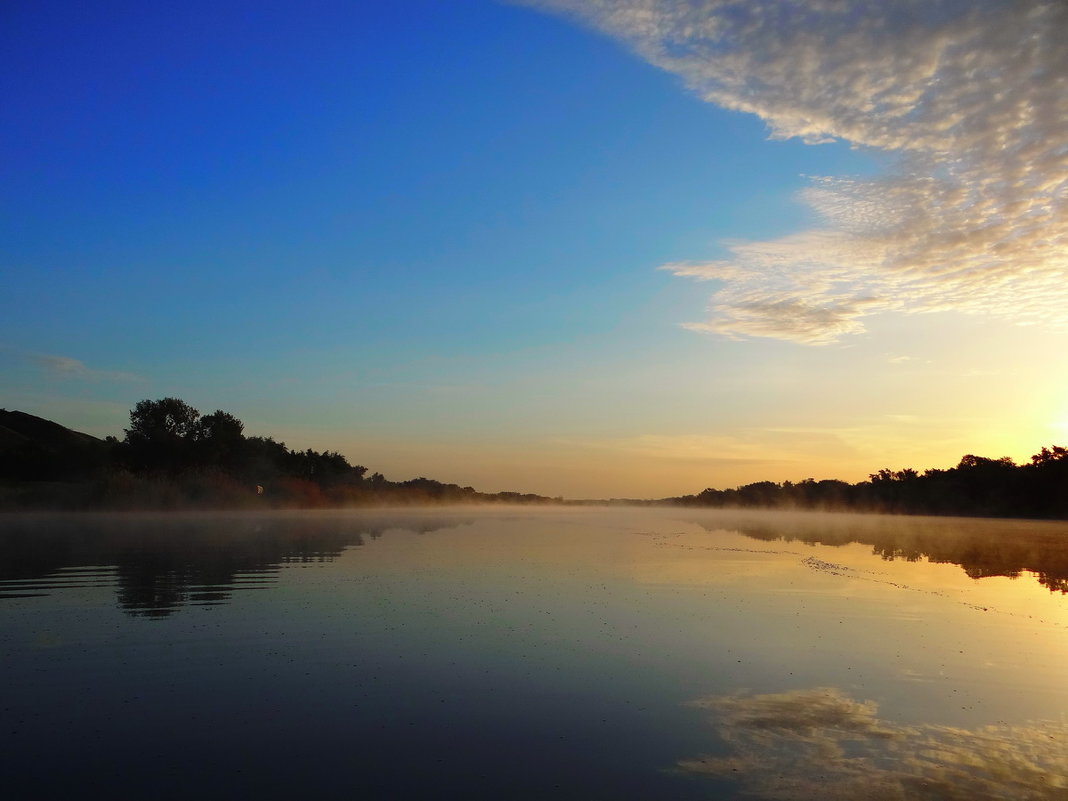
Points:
(521, 654)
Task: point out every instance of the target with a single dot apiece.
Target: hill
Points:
(35, 449)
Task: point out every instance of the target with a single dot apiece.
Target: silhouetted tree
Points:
(976, 486)
(166, 418)
(1050, 455)
(160, 434)
(171, 456)
(219, 439)
(262, 459)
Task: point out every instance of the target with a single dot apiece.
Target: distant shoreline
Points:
(173, 458)
(88, 498)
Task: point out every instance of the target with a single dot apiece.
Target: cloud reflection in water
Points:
(821, 744)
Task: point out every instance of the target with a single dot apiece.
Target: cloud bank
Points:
(822, 744)
(966, 99)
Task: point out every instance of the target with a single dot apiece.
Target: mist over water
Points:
(532, 653)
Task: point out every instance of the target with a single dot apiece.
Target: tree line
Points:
(173, 456)
(976, 486)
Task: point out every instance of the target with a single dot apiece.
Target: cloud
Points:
(967, 100)
(755, 446)
(66, 367)
(821, 744)
(793, 451)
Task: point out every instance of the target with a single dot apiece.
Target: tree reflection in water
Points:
(982, 547)
(160, 563)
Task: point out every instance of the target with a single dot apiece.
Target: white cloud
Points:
(969, 98)
(66, 367)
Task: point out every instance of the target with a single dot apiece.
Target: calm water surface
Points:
(519, 654)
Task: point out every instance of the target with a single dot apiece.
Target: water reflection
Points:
(821, 744)
(982, 547)
(160, 563)
(516, 654)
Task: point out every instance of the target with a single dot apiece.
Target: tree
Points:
(169, 419)
(263, 459)
(1048, 455)
(219, 438)
(219, 425)
(160, 433)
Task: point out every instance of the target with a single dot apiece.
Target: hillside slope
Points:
(35, 449)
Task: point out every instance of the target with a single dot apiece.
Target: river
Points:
(528, 653)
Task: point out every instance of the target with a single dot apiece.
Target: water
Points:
(557, 653)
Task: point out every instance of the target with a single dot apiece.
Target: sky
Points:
(590, 248)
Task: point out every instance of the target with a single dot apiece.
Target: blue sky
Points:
(427, 234)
